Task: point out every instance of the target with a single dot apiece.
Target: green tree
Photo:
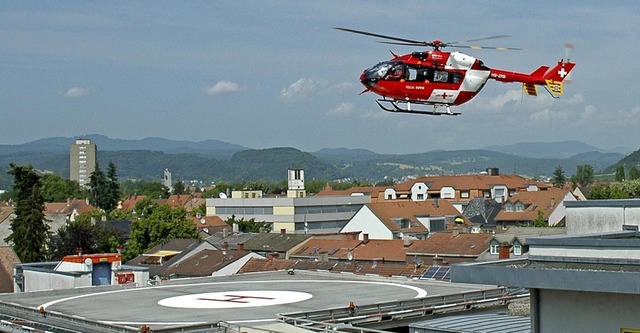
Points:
(98, 188)
(584, 175)
(29, 228)
(87, 233)
(151, 189)
(56, 189)
(540, 221)
(112, 191)
(249, 225)
(559, 178)
(634, 173)
(162, 224)
(178, 188)
(619, 173)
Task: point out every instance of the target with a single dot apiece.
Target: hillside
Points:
(214, 160)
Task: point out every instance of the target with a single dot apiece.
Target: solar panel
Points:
(430, 272)
(437, 272)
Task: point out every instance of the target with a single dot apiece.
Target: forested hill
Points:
(231, 163)
(268, 164)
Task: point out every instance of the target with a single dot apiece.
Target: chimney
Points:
(436, 204)
(455, 232)
(225, 232)
(365, 238)
(407, 241)
(236, 228)
(437, 261)
(240, 247)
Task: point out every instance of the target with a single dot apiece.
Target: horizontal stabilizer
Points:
(530, 89)
(554, 87)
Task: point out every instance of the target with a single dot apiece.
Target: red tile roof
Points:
(381, 249)
(79, 205)
(390, 211)
(335, 248)
(450, 244)
(131, 201)
(546, 201)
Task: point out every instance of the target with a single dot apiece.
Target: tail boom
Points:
(551, 78)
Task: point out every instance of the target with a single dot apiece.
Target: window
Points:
(494, 248)
(420, 196)
(517, 249)
(464, 194)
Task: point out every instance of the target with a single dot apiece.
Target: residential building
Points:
(279, 245)
(162, 256)
(8, 258)
(400, 219)
(512, 243)
(209, 262)
(524, 207)
(6, 217)
(459, 190)
(448, 248)
(83, 157)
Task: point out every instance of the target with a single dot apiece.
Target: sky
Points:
(265, 74)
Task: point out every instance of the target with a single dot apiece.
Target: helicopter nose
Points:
(368, 80)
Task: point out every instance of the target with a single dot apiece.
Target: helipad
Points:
(247, 298)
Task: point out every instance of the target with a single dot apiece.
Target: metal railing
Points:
(340, 318)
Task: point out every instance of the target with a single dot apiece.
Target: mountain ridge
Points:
(214, 160)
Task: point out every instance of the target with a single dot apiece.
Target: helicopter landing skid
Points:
(398, 109)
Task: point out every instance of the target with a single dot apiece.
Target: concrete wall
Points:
(597, 312)
(597, 216)
(38, 280)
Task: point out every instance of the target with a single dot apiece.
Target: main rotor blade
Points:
(482, 38)
(477, 47)
(405, 40)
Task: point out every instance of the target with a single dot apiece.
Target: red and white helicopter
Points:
(441, 79)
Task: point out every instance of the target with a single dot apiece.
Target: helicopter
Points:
(436, 78)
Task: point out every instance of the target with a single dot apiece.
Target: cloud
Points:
(342, 109)
(301, 89)
(77, 92)
(222, 87)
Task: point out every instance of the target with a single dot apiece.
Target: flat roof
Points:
(250, 299)
(476, 323)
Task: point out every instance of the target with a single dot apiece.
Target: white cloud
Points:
(77, 92)
(222, 87)
(301, 89)
(342, 109)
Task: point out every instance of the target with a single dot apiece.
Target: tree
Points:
(584, 175)
(56, 189)
(249, 225)
(162, 224)
(634, 173)
(540, 221)
(97, 187)
(178, 188)
(151, 189)
(87, 233)
(112, 191)
(558, 179)
(619, 173)
(30, 230)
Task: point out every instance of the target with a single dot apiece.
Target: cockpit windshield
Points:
(378, 71)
